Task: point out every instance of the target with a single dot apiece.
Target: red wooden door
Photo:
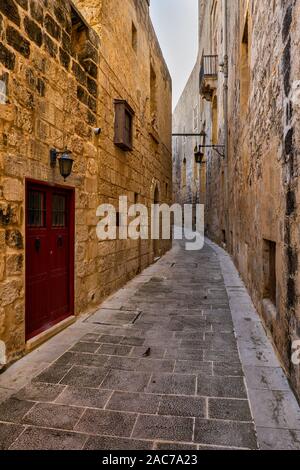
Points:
(49, 256)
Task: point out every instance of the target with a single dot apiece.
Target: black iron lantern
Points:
(199, 155)
(65, 162)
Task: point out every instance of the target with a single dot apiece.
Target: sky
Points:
(176, 25)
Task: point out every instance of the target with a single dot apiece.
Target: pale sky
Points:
(176, 25)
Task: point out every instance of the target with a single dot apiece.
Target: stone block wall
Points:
(55, 88)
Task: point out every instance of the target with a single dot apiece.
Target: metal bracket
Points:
(216, 149)
(188, 135)
(53, 157)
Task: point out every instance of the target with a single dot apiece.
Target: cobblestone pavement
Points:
(161, 365)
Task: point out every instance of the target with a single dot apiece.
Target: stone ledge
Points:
(45, 335)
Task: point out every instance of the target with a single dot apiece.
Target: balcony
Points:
(208, 76)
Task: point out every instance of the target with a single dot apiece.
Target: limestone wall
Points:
(52, 95)
(261, 192)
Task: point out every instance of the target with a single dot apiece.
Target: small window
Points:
(123, 125)
(224, 238)
(269, 267)
(36, 209)
(58, 210)
(134, 38)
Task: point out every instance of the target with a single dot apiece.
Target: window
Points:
(153, 95)
(224, 238)
(123, 125)
(269, 266)
(36, 209)
(58, 210)
(134, 42)
(245, 69)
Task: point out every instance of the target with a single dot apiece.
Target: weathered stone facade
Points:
(57, 85)
(253, 194)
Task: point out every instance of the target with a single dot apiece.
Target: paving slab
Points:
(134, 402)
(8, 434)
(85, 376)
(232, 410)
(164, 427)
(39, 392)
(113, 443)
(84, 397)
(53, 416)
(225, 433)
(48, 439)
(106, 422)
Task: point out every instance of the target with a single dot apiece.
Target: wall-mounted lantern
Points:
(199, 155)
(65, 161)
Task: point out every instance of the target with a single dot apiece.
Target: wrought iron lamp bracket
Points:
(220, 149)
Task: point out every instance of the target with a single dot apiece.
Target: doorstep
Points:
(46, 335)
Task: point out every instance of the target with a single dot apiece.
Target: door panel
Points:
(59, 255)
(49, 245)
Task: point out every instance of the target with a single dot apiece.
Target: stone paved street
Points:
(167, 363)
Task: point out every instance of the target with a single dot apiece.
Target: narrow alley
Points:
(176, 360)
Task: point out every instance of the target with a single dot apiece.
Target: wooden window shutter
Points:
(123, 125)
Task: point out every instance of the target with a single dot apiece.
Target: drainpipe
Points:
(225, 105)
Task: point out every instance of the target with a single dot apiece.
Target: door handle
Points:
(60, 241)
(37, 244)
